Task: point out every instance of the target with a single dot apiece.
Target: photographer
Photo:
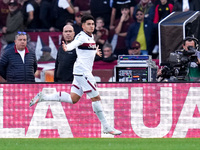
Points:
(184, 63)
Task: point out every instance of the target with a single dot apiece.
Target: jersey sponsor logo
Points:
(87, 46)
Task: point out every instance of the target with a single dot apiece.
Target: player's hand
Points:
(64, 46)
(99, 53)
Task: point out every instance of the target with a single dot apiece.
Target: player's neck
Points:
(88, 33)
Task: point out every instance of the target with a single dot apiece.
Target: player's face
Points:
(187, 44)
(88, 27)
(68, 33)
(21, 42)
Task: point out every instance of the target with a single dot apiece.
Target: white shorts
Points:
(84, 84)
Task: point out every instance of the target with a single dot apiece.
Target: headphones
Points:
(189, 38)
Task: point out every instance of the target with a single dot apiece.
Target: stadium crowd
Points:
(119, 23)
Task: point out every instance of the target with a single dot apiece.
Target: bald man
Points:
(65, 60)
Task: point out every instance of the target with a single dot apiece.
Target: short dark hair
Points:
(87, 17)
(69, 21)
(139, 10)
(125, 6)
(190, 38)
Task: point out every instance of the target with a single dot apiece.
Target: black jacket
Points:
(178, 5)
(13, 69)
(64, 65)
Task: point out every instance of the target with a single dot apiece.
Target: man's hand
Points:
(99, 53)
(99, 34)
(64, 46)
(4, 30)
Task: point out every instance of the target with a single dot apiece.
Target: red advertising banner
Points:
(139, 110)
(55, 36)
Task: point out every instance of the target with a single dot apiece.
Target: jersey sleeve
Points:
(75, 43)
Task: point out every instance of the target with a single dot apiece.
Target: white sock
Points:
(58, 96)
(99, 112)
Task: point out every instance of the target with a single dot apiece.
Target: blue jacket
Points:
(149, 29)
(13, 69)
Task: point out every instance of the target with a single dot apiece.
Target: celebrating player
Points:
(83, 82)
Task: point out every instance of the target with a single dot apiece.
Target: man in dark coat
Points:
(65, 60)
(18, 64)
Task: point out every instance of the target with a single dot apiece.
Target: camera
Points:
(178, 64)
(182, 57)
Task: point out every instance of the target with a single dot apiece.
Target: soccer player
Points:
(84, 81)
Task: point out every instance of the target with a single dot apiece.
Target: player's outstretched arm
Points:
(64, 46)
(99, 53)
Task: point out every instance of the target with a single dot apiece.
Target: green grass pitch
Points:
(100, 144)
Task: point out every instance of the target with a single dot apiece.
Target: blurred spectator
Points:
(23, 5)
(46, 55)
(32, 15)
(135, 49)
(101, 33)
(83, 7)
(65, 60)
(69, 22)
(184, 5)
(116, 9)
(77, 24)
(62, 10)
(18, 64)
(141, 31)
(121, 28)
(101, 8)
(163, 9)
(197, 5)
(4, 10)
(45, 17)
(147, 7)
(14, 23)
(108, 56)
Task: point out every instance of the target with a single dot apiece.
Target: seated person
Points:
(46, 55)
(46, 64)
(135, 49)
(108, 56)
